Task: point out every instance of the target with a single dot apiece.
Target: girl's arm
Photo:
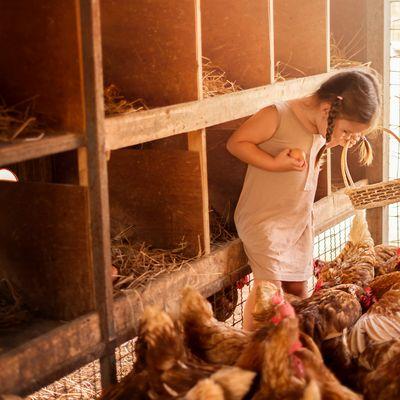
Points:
(244, 142)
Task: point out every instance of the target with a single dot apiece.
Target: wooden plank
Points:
(150, 49)
(45, 249)
(301, 35)
(226, 172)
(42, 48)
(349, 37)
(49, 356)
(237, 37)
(18, 151)
(378, 42)
(144, 126)
(165, 291)
(46, 358)
(98, 182)
(159, 193)
(197, 143)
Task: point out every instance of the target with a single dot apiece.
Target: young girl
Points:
(274, 213)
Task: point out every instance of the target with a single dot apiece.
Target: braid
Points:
(333, 113)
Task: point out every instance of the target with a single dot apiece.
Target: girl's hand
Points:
(351, 138)
(283, 163)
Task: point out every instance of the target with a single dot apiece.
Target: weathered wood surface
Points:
(45, 251)
(40, 46)
(238, 37)
(157, 192)
(17, 151)
(140, 127)
(226, 172)
(99, 232)
(149, 49)
(301, 37)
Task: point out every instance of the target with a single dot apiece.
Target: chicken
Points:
(377, 353)
(211, 340)
(165, 368)
(379, 324)
(383, 383)
(355, 263)
(387, 259)
(229, 383)
(330, 387)
(381, 284)
(385, 252)
(282, 372)
(270, 309)
(328, 312)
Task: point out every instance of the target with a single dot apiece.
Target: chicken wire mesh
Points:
(394, 111)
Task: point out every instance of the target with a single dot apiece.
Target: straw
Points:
(115, 103)
(215, 81)
(18, 124)
(138, 263)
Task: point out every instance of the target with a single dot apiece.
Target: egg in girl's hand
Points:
(298, 154)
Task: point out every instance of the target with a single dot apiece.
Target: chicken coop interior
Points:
(118, 196)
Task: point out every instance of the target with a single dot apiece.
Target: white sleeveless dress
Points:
(274, 213)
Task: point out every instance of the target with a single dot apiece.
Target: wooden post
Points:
(98, 185)
(378, 43)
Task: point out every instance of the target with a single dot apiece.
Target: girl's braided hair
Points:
(353, 95)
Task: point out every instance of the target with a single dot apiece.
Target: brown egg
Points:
(298, 154)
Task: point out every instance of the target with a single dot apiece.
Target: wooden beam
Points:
(378, 42)
(40, 361)
(19, 150)
(197, 143)
(144, 126)
(98, 182)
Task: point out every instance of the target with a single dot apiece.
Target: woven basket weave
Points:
(374, 195)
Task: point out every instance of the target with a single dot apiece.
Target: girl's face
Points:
(344, 131)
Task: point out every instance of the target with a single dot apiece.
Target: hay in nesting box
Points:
(115, 103)
(342, 55)
(283, 71)
(12, 310)
(17, 124)
(221, 230)
(215, 81)
(139, 263)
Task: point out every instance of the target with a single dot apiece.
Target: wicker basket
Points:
(374, 195)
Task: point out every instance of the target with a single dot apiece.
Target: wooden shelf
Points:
(144, 126)
(20, 150)
(79, 341)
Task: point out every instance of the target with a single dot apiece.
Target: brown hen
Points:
(209, 339)
(379, 324)
(330, 387)
(355, 263)
(229, 383)
(328, 312)
(166, 370)
(384, 382)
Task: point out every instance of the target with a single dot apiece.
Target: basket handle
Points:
(347, 179)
